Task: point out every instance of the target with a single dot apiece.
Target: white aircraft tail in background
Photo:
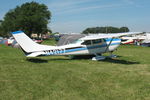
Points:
(88, 45)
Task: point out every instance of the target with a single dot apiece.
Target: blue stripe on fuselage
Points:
(91, 47)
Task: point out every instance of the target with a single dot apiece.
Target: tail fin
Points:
(27, 44)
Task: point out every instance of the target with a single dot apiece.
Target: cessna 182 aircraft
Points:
(88, 45)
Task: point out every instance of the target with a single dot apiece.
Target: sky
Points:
(76, 15)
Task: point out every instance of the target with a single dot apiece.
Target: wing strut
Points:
(108, 44)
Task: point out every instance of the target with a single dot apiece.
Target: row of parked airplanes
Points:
(96, 44)
(143, 39)
(88, 45)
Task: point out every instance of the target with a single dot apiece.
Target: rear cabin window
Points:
(97, 41)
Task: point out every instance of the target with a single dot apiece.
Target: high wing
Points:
(114, 35)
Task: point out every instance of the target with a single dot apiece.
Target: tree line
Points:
(108, 29)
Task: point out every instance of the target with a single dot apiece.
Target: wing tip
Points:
(17, 32)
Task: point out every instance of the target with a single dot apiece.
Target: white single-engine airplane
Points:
(88, 45)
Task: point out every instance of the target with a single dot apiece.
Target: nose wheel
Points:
(112, 55)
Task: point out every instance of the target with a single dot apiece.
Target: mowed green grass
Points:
(59, 78)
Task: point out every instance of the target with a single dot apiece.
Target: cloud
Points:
(76, 6)
(82, 9)
(129, 1)
(79, 6)
(78, 26)
(58, 4)
(132, 2)
(75, 15)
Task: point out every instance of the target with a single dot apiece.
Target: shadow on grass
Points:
(67, 58)
(81, 57)
(117, 61)
(37, 60)
(120, 61)
(60, 59)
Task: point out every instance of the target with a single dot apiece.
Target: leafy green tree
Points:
(124, 29)
(108, 29)
(1, 29)
(30, 17)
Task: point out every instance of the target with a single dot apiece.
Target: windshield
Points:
(77, 41)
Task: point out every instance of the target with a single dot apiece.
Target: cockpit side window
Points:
(97, 41)
(87, 42)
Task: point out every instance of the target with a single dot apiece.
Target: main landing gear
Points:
(100, 57)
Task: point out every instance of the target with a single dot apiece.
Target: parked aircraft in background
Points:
(88, 45)
(135, 39)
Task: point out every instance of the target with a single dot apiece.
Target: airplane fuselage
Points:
(88, 48)
(88, 45)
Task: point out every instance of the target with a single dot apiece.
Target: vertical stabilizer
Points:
(27, 44)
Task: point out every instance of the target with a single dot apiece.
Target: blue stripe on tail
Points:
(17, 32)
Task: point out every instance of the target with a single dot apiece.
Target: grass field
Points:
(59, 78)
